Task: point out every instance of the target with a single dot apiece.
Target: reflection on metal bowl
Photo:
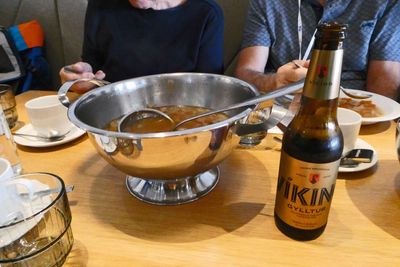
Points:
(163, 168)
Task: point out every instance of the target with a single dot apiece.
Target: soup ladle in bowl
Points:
(133, 117)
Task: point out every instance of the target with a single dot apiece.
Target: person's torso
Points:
(138, 42)
(361, 17)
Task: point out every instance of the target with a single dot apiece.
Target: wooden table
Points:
(234, 224)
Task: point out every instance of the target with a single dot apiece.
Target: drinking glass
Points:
(255, 117)
(7, 102)
(41, 235)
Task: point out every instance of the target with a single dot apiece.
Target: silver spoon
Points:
(45, 192)
(138, 114)
(51, 138)
(355, 95)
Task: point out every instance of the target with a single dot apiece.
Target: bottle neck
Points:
(323, 76)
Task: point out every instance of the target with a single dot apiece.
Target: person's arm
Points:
(251, 65)
(210, 56)
(383, 77)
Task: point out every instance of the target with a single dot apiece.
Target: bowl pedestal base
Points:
(173, 191)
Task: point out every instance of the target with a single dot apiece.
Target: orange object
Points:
(32, 33)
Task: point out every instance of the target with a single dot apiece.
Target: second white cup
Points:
(350, 124)
(48, 116)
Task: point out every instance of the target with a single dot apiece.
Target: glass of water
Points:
(41, 234)
(7, 102)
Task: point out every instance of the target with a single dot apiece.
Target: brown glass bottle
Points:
(313, 143)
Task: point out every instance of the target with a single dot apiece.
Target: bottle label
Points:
(304, 192)
(323, 77)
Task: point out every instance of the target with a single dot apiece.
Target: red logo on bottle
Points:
(322, 71)
(314, 178)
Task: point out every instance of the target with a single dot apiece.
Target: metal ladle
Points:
(355, 95)
(137, 115)
(145, 113)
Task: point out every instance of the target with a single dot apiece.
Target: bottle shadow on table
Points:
(378, 198)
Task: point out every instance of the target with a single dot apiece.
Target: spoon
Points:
(138, 114)
(355, 95)
(51, 138)
(45, 192)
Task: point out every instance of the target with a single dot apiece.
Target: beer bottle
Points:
(312, 143)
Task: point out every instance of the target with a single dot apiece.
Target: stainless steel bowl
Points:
(171, 167)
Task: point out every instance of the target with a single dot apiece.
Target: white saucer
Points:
(32, 142)
(362, 166)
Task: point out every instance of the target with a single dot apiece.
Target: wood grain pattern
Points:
(231, 226)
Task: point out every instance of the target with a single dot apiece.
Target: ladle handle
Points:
(255, 100)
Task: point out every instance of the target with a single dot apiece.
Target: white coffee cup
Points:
(48, 116)
(350, 124)
(6, 171)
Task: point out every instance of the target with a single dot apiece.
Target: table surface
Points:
(231, 226)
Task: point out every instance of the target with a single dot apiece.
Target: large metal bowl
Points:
(171, 167)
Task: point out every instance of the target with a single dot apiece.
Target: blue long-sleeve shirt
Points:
(127, 42)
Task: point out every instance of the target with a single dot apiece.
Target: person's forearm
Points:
(264, 82)
(384, 78)
(385, 87)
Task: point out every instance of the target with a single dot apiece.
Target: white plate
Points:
(389, 107)
(362, 166)
(32, 142)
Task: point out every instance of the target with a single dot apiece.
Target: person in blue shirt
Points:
(278, 32)
(131, 38)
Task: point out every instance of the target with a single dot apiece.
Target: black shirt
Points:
(127, 42)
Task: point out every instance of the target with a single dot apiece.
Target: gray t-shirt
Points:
(373, 32)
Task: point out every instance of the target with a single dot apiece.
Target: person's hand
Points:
(80, 70)
(290, 72)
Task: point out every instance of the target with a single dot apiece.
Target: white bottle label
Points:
(304, 192)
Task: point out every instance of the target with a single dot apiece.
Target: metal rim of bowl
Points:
(73, 118)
